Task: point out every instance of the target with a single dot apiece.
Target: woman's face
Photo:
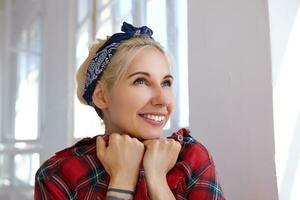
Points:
(141, 103)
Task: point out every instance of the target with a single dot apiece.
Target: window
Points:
(24, 111)
(99, 18)
(19, 136)
(86, 121)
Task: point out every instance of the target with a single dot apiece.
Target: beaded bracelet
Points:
(120, 191)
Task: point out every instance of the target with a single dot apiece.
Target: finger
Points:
(147, 142)
(136, 141)
(101, 146)
(114, 135)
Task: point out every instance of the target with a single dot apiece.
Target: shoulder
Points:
(71, 165)
(194, 164)
(193, 154)
(194, 175)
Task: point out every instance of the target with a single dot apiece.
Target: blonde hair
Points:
(117, 66)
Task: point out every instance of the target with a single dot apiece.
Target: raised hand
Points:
(160, 156)
(121, 159)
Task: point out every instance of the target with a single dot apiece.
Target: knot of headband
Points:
(105, 53)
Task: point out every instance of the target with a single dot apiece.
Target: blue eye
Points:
(139, 81)
(167, 83)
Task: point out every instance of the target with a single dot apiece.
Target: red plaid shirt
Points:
(76, 173)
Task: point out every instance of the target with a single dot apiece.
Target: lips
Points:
(157, 118)
(154, 119)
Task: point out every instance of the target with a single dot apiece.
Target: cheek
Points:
(171, 100)
(129, 101)
(172, 104)
(137, 99)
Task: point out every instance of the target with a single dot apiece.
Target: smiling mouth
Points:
(154, 118)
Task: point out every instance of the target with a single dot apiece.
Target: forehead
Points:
(151, 60)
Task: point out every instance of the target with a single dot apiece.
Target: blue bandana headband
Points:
(104, 55)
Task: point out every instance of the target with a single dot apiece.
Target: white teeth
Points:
(157, 118)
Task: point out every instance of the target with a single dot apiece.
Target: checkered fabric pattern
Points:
(76, 173)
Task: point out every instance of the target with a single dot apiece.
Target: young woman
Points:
(127, 79)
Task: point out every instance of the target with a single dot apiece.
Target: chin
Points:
(150, 136)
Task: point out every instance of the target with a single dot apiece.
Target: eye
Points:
(167, 83)
(139, 81)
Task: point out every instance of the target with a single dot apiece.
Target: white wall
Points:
(230, 83)
(58, 62)
(2, 43)
(285, 31)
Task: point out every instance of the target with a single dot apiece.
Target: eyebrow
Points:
(147, 74)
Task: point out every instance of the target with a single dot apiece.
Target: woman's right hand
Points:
(121, 159)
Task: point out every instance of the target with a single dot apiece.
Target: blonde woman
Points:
(127, 79)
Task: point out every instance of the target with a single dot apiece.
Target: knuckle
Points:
(157, 142)
(126, 137)
(174, 142)
(141, 146)
(146, 143)
(161, 140)
(170, 140)
(167, 142)
(114, 135)
(138, 143)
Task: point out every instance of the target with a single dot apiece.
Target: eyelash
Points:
(169, 82)
(140, 81)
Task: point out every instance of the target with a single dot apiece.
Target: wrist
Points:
(116, 193)
(155, 180)
(158, 188)
(122, 182)
(155, 175)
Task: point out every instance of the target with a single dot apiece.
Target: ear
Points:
(100, 96)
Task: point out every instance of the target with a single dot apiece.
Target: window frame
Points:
(9, 146)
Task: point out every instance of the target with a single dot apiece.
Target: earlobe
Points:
(99, 97)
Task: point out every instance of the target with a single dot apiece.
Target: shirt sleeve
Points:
(48, 184)
(47, 190)
(206, 186)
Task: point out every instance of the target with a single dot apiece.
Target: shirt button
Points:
(180, 137)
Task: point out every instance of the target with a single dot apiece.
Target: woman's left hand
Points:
(160, 157)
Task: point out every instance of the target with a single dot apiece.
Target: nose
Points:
(160, 97)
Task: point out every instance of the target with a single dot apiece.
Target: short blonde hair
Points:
(117, 66)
